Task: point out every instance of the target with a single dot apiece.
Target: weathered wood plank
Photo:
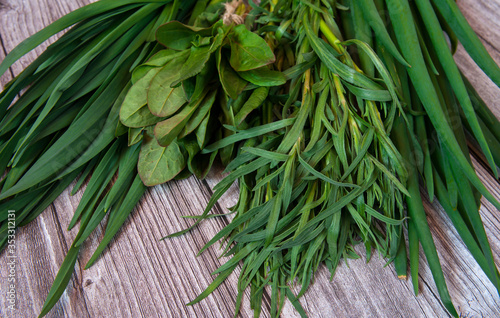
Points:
(139, 276)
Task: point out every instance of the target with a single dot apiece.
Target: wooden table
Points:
(140, 276)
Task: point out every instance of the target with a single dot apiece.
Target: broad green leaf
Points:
(198, 164)
(174, 99)
(263, 76)
(203, 79)
(248, 50)
(195, 63)
(159, 59)
(226, 119)
(162, 99)
(134, 112)
(178, 36)
(201, 131)
(167, 130)
(231, 82)
(159, 164)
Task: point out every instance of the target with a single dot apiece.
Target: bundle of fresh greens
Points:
(66, 124)
(328, 114)
(317, 167)
(316, 186)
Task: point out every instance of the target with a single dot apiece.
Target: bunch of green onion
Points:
(66, 124)
(330, 115)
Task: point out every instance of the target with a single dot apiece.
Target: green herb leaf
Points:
(263, 76)
(134, 112)
(231, 82)
(248, 50)
(159, 164)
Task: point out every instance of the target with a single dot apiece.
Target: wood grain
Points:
(140, 276)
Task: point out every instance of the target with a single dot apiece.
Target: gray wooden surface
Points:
(140, 276)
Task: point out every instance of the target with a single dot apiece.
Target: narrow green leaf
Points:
(321, 176)
(417, 215)
(119, 216)
(67, 20)
(126, 171)
(249, 133)
(200, 114)
(102, 175)
(256, 99)
(452, 14)
(401, 15)
(373, 18)
(328, 56)
(78, 136)
(61, 280)
(453, 74)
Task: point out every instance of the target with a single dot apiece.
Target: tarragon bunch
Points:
(318, 173)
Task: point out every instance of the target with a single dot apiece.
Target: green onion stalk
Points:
(65, 125)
